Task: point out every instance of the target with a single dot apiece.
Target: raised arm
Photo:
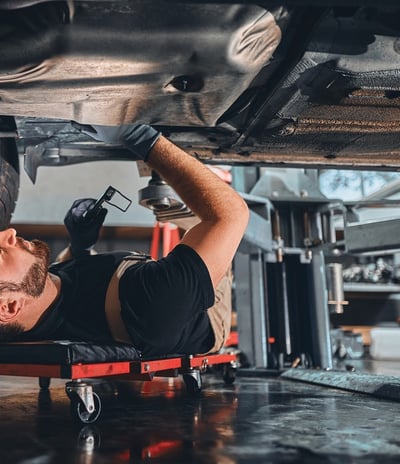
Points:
(222, 212)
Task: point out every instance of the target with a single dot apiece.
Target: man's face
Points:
(23, 264)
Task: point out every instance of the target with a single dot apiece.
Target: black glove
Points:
(83, 227)
(137, 138)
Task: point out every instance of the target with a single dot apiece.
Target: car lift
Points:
(80, 362)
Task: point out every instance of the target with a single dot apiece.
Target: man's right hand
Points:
(83, 228)
(137, 138)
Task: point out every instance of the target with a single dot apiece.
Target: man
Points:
(165, 306)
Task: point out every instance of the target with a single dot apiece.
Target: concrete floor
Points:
(257, 420)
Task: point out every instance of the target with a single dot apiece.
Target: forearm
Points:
(222, 212)
(202, 191)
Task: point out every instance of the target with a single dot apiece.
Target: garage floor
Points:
(257, 420)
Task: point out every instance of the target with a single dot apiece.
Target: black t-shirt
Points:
(79, 313)
(163, 302)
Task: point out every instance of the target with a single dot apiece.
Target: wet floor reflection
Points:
(254, 421)
(141, 421)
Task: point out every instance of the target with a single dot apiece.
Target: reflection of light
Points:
(214, 455)
(123, 456)
(161, 386)
(170, 393)
(88, 442)
(225, 431)
(161, 448)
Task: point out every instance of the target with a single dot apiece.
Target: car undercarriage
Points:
(297, 84)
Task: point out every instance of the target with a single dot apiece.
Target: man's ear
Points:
(10, 308)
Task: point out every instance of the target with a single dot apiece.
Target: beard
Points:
(34, 280)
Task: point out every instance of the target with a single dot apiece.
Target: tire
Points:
(9, 180)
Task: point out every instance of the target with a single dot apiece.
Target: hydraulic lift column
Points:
(281, 292)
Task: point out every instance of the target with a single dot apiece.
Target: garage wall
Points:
(56, 188)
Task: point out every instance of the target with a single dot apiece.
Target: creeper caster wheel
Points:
(79, 412)
(228, 374)
(85, 403)
(44, 383)
(193, 382)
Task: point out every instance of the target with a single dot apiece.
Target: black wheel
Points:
(9, 179)
(229, 374)
(193, 382)
(272, 359)
(80, 414)
(44, 383)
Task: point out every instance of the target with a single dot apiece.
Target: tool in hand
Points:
(123, 202)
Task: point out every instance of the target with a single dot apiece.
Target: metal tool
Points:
(336, 299)
(163, 200)
(106, 198)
